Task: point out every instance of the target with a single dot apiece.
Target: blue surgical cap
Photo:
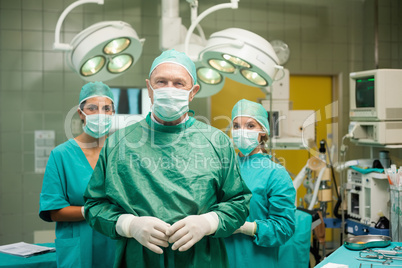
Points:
(251, 109)
(95, 89)
(173, 56)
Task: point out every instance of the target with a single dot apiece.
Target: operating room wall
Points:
(37, 88)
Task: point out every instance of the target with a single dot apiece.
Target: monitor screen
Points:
(127, 100)
(365, 92)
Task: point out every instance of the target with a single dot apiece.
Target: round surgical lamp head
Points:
(209, 80)
(242, 56)
(104, 50)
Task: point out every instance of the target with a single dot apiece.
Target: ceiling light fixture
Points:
(242, 56)
(236, 53)
(102, 51)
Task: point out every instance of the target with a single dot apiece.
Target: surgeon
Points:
(272, 212)
(168, 187)
(68, 170)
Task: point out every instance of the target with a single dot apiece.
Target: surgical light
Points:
(103, 51)
(209, 80)
(117, 45)
(209, 76)
(242, 56)
(222, 65)
(235, 53)
(254, 77)
(104, 40)
(236, 61)
(92, 66)
(120, 63)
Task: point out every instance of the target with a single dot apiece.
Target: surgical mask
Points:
(170, 103)
(246, 140)
(97, 125)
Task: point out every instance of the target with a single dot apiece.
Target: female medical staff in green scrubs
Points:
(69, 168)
(271, 221)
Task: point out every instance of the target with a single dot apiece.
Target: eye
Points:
(92, 108)
(250, 126)
(107, 108)
(179, 85)
(235, 126)
(160, 82)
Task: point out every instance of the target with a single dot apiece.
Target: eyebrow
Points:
(95, 105)
(175, 80)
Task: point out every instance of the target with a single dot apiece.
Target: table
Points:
(346, 256)
(46, 260)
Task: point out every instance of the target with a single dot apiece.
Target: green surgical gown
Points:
(271, 207)
(66, 178)
(168, 172)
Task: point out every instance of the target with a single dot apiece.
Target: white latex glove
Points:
(248, 228)
(83, 212)
(148, 231)
(188, 231)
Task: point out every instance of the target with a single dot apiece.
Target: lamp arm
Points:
(194, 14)
(233, 5)
(194, 10)
(202, 34)
(62, 46)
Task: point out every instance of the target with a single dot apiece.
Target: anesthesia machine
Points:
(376, 122)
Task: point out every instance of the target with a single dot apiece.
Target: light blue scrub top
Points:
(66, 178)
(271, 207)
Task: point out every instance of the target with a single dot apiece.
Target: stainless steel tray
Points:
(360, 242)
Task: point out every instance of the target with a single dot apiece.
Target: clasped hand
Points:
(154, 233)
(248, 228)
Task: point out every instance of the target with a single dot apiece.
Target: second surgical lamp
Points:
(235, 53)
(242, 56)
(101, 52)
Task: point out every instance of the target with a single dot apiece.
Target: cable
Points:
(332, 168)
(343, 150)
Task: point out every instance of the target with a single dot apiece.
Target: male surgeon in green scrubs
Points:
(168, 187)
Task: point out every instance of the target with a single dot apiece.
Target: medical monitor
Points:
(376, 95)
(132, 104)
